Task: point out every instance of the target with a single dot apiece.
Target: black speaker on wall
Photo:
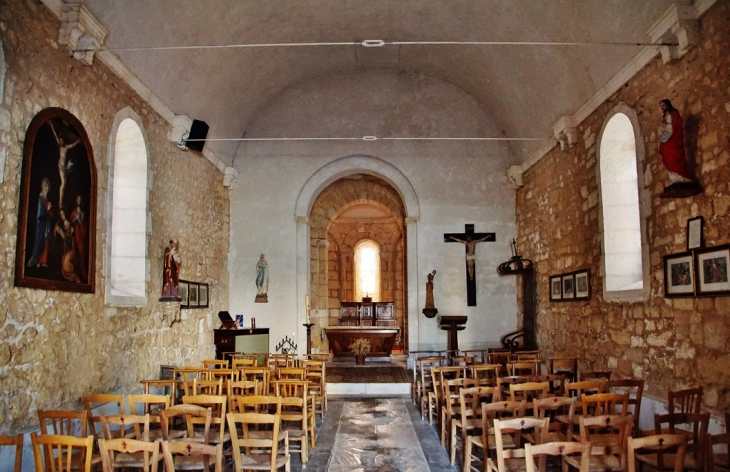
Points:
(197, 135)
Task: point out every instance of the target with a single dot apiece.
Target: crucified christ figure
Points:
(64, 165)
(471, 245)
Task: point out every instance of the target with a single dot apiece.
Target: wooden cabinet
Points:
(366, 314)
(240, 340)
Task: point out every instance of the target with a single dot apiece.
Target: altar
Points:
(381, 339)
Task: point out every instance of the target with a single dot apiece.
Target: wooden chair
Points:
(523, 367)
(71, 453)
(635, 389)
(315, 374)
(218, 404)
(17, 442)
(238, 364)
(207, 387)
(486, 441)
(425, 384)
(187, 455)
(92, 401)
(564, 365)
(552, 408)
(262, 374)
(605, 404)
(719, 459)
(607, 435)
(588, 387)
(562, 449)
(686, 401)
(485, 374)
(127, 459)
(512, 460)
(596, 375)
(526, 356)
(463, 361)
(500, 358)
(297, 389)
(298, 423)
(114, 451)
(149, 402)
(275, 361)
(240, 389)
(164, 384)
(469, 416)
(188, 433)
(528, 391)
(666, 449)
(250, 450)
(289, 373)
(215, 364)
(450, 407)
(66, 423)
(556, 382)
(694, 427)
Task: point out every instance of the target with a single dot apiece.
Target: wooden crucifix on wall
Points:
(469, 239)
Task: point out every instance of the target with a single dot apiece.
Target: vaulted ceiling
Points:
(525, 88)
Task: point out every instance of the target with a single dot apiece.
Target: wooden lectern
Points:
(453, 324)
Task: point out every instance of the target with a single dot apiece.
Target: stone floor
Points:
(374, 435)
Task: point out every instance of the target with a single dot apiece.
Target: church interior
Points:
(264, 157)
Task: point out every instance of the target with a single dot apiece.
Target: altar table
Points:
(381, 339)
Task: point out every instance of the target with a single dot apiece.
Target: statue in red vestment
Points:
(671, 144)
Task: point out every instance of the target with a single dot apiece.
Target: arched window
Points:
(127, 276)
(624, 253)
(367, 270)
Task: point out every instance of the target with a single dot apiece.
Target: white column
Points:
(302, 281)
(412, 288)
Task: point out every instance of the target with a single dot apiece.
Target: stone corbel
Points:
(80, 32)
(566, 132)
(180, 130)
(170, 312)
(679, 28)
(514, 174)
(230, 178)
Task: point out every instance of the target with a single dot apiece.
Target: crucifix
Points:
(469, 239)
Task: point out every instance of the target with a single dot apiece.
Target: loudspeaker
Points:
(198, 130)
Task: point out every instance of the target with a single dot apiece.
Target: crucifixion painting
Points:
(469, 239)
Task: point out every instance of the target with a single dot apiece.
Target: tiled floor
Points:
(375, 434)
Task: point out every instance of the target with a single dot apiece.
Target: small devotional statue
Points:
(430, 310)
(674, 157)
(262, 281)
(171, 272)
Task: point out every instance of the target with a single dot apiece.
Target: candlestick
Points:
(306, 306)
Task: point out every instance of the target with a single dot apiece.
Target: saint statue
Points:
(171, 272)
(429, 290)
(671, 144)
(262, 280)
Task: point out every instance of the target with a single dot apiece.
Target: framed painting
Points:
(183, 288)
(582, 285)
(711, 267)
(203, 295)
(694, 233)
(568, 286)
(193, 294)
(56, 245)
(556, 288)
(679, 275)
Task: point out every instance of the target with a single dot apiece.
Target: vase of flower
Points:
(360, 349)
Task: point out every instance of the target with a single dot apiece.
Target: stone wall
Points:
(670, 342)
(57, 346)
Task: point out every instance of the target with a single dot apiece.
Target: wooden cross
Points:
(470, 239)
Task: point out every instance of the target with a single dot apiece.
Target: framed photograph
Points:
(568, 286)
(184, 290)
(679, 275)
(711, 267)
(556, 288)
(56, 245)
(694, 233)
(203, 295)
(193, 294)
(582, 285)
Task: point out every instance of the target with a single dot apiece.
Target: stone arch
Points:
(408, 211)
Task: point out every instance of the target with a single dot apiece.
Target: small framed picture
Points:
(694, 233)
(193, 295)
(711, 267)
(582, 285)
(679, 275)
(203, 295)
(184, 290)
(568, 286)
(556, 288)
